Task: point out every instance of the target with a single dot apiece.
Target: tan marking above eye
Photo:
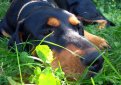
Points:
(52, 21)
(73, 20)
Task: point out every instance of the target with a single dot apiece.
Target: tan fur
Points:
(21, 36)
(70, 64)
(53, 22)
(5, 33)
(73, 20)
(96, 40)
(102, 23)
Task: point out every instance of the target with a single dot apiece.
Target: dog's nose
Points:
(94, 60)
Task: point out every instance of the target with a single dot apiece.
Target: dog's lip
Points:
(91, 74)
(93, 70)
(96, 67)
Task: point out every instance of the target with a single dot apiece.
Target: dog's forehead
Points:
(62, 14)
(68, 13)
(62, 17)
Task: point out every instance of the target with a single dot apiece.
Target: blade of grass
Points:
(92, 80)
(112, 67)
(46, 37)
(17, 54)
(63, 48)
(48, 42)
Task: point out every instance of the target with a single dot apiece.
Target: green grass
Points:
(13, 64)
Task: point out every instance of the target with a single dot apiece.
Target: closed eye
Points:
(79, 28)
(48, 29)
(46, 32)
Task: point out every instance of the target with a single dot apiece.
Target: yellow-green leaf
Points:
(45, 53)
(48, 79)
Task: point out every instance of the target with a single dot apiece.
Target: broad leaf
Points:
(48, 78)
(45, 53)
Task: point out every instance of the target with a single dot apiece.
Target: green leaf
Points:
(48, 78)
(59, 73)
(37, 71)
(45, 53)
(25, 59)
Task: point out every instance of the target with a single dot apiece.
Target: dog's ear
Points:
(16, 38)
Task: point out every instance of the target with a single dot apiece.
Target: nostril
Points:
(94, 60)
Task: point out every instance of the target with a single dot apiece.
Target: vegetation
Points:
(20, 67)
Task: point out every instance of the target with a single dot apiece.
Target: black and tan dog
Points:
(86, 11)
(34, 19)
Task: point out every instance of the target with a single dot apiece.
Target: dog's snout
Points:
(94, 60)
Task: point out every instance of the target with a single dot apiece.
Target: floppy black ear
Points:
(16, 37)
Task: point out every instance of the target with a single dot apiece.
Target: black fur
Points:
(30, 19)
(83, 8)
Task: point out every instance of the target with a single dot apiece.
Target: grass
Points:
(110, 74)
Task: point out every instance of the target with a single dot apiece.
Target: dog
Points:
(86, 11)
(35, 19)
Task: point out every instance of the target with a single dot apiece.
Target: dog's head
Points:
(68, 32)
(86, 11)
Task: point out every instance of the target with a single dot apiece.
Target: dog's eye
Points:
(47, 31)
(80, 29)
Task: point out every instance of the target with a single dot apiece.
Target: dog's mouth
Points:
(96, 67)
(93, 70)
(94, 63)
